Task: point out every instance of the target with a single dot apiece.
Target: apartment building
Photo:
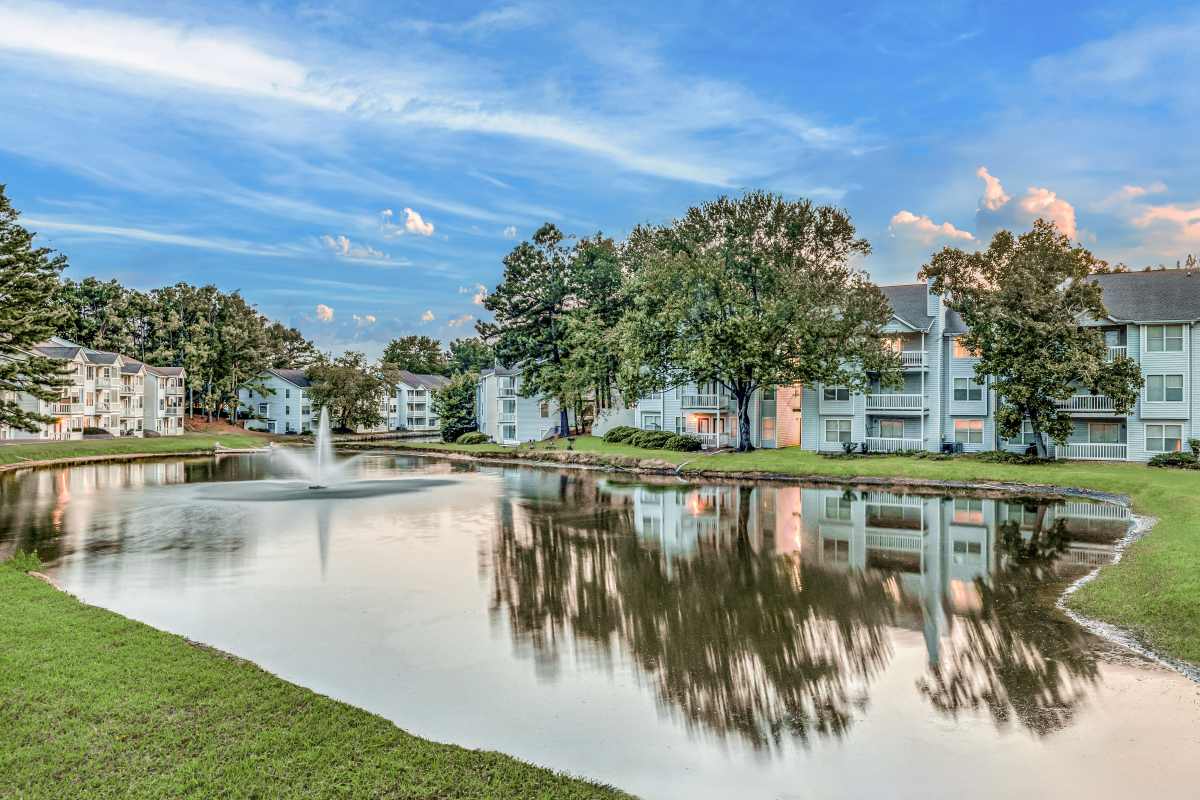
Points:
(1153, 317)
(279, 403)
(410, 406)
(164, 400)
(507, 417)
(103, 391)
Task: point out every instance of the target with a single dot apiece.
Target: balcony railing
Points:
(883, 444)
(1087, 402)
(173, 412)
(701, 401)
(1095, 511)
(895, 402)
(1113, 352)
(174, 390)
(912, 358)
(504, 418)
(66, 408)
(1093, 452)
(887, 540)
(108, 383)
(507, 391)
(129, 388)
(711, 441)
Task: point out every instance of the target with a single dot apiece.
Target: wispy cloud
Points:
(478, 293)
(159, 237)
(342, 246)
(459, 321)
(363, 320)
(924, 229)
(510, 232)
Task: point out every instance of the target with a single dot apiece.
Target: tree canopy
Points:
(752, 292)
(454, 405)
(470, 354)
(420, 354)
(1023, 300)
(28, 315)
(349, 389)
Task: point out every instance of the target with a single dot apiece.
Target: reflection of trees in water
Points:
(1016, 656)
(733, 640)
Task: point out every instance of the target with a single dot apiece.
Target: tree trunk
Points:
(744, 444)
(1038, 440)
(563, 422)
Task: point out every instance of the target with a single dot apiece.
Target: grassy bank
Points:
(45, 451)
(1155, 590)
(95, 705)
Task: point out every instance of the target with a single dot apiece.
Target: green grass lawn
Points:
(43, 451)
(1154, 591)
(96, 705)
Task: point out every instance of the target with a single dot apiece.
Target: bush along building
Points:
(1152, 317)
(105, 394)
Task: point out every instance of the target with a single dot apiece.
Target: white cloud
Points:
(342, 246)
(1182, 224)
(1043, 203)
(1131, 192)
(996, 210)
(510, 232)
(478, 293)
(459, 321)
(994, 195)
(924, 229)
(158, 237)
(363, 321)
(427, 316)
(413, 223)
(324, 313)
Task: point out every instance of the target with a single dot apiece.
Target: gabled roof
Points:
(296, 377)
(131, 367)
(166, 372)
(57, 351)
(101, 357)
(1168, 295)
(421, 381)
(910, 304)
(502, 372)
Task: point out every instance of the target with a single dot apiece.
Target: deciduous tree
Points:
(349, 388)
(454, 405)
(420, 354)
(470, 354)
(1023, 300)
(752, 292)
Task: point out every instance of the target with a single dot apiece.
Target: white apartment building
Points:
(410, 405)
(164, 400)
(507, 417)
(281, 404)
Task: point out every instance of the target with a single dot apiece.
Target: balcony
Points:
(912, 359)
(711, 441)
(890, 540)
(1092, 452)
(176, 411)
(895, 402)
(66, 408)
(108, 383)
(702, 401)
(882, 444)
(1113, 352)
(503, 418)
(129, 388)
(174, 390)
(507, 391)
(1084, 403)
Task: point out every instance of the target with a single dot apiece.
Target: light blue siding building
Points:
(1153, 317)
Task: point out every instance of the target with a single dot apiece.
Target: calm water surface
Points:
(677, 640)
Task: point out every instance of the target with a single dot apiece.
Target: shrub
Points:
(24, 562)
(1176, 460)
(683, 443)
(473, 437)
(1006, 457)
(650, 440)
(1194, 444)
(621, 433)
(91, 431)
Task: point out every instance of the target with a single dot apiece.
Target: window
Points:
(508, 406)
(651, 421)
(967, 548)
(287, 394)
(968, 511)
(837, 508)
(968, 431)
(545, 410)
(966, 389)
(837, 430)
(1164, 338)
(508, 432)
(1104, 433)
(891, 428)
(835, 550)
(1164, 388)
(839, 394)
(962, 351)
(1164, 438)
(287, 410)
(679, 424)
(1027, 437)
(768, 393)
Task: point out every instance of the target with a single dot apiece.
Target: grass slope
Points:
(1154, 591)
(44, 451)
(96, 705)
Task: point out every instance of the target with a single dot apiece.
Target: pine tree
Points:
(29, 314)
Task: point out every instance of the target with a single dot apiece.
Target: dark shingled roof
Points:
(419, 380)
(1157, 296)
(131, 367)
(56, 351)
(502, 372)
(100, 357)
(296, 377)
(167, 372)
(909, 303)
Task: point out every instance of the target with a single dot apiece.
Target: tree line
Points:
(760, 291)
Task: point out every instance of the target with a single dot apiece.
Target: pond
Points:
(678, 640)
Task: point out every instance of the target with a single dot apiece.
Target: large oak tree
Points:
(1023, 300)
(752, 292)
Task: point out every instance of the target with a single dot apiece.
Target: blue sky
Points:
(359, 169)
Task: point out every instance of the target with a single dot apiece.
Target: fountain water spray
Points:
(319, 468)
(324, 450)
